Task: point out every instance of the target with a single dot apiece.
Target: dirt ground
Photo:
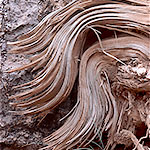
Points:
(23, 132)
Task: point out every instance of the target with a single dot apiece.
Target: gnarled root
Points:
(128, 135)
(109, 82)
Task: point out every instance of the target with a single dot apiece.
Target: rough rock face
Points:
(22, 132)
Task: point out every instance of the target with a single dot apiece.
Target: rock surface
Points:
(23, 132)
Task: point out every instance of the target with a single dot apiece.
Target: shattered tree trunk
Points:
(103, 47)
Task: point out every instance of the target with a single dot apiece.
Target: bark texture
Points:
(102, 47)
